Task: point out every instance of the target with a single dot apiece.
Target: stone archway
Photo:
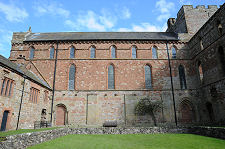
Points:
(186, 112)
(60, 115)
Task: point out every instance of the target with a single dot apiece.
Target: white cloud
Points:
(13, 13)
(52, 8)
(92, 21)
(164, 8)
(163, 17)
(185, 2)
(144, 27)
(125, 13)
(5, 42)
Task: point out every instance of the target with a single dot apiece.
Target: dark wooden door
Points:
(4, 120)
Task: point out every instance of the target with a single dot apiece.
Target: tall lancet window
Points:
(134, 52)
(183, 84)
(113, 51)
(72, 52)
(111, 81)
(221, 60)
(154, 53)
(92, 52)
(31, 53)
(72, 77)
(200, 72)
(52, 52)
(148, 77)
(174, 52)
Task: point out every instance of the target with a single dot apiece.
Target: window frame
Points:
(70, 80)
(145, 78)
(72, 56)
(132, 53)
(91, 51)
(52, 53)
(156, 52)
(182, 77)
(173, 56)
(32, 51)
(111, 51)
(111, 77)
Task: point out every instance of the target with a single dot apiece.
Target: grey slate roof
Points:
(101, 36)
(4, 62)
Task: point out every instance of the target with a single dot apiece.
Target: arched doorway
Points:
(186, 112)
(210, 111)
(60, 115)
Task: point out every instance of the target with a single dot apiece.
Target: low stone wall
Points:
(208, 131)
(21, 141)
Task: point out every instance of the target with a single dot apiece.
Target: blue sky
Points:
(87, 15)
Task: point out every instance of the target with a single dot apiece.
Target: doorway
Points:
(4, 120)
(210, 111)
(60, 115)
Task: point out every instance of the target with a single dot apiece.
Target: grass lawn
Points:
(13, 132)
(133, 141)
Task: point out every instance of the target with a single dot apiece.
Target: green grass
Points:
(14, 132)
(133, 141)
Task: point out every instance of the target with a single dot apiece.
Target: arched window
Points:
(31, 53)
(201, 44)
(92, 52)
(200, 72)
(174, 52)
(72, 52)
(134, 52)
(182, 77)
(148, 77)
(111, 81)
(154, 53)
(52, 52)
(113, 51)
(72, 77)
(221, 59)
(219, 27)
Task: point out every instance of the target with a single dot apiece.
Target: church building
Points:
(89, 78)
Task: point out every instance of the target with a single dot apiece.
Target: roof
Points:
(101, 36)
(22, 71)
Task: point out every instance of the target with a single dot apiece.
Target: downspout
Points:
(171, 79)
(21, 101)
(87, 110)
(53, 90)
(125, 115)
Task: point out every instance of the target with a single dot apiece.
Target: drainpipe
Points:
(21, 101)
(53, 90)
(125, 115)
(87, 111)
(171, 79)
